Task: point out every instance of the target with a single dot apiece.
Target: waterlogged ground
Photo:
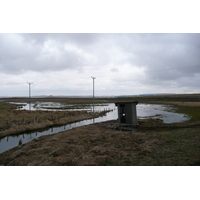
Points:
(154, 143)
(60, 106)
(99, 145)
(164, 112)
(144, 111)
(13, 140)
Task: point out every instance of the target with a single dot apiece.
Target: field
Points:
(98, 144)
(14, 121)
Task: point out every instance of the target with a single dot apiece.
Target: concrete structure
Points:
(127, 113)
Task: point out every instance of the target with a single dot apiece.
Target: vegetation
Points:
(14, 121)
(154, 143)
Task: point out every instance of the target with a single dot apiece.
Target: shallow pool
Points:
(143, 111)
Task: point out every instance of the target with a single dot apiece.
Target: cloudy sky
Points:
(123, 64)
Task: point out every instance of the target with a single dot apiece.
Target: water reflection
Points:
(143, 110)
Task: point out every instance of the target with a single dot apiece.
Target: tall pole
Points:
(93, 91)
(29, 95)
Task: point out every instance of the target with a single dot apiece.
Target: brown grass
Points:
(154, 144)
(18, 121)
(175, 103)
(88, 145)
(98, 145)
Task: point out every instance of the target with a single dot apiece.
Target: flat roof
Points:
(126, 102)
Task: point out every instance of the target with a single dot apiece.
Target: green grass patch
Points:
(192, 112)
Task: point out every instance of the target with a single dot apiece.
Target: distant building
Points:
(127, 113)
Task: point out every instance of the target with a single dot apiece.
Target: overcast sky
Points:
(123, 64)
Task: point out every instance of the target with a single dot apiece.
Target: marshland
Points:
(155, 142)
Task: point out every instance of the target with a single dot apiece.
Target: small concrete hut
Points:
(127, 113)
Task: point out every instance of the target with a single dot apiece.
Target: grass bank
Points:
(98, 145)
(14, 121)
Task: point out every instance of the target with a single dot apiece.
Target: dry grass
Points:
(88, 145)
(17, 121)
(154, 144)
(98, 145)
(176, 103)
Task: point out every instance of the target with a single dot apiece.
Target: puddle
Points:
(56, 106)
(143, 111)
(160, 111)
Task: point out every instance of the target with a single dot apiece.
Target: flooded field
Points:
(143, 111)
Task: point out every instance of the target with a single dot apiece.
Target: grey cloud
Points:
(23, 52)
(37, 38)
(159, 52)
(167, 60)
(114, 70)
(76, 38)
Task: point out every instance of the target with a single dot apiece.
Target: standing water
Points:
(143, 110)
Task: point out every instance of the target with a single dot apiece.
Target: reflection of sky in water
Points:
(63, 106)
(147, 110)
(143, 110)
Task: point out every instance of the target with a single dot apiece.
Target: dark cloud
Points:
(38, 52)
(163, 55)
(80, 39)
(149, 60)
(37, 38)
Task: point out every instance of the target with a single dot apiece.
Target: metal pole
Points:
(29, 91)
(93, 91)
(29, 95)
